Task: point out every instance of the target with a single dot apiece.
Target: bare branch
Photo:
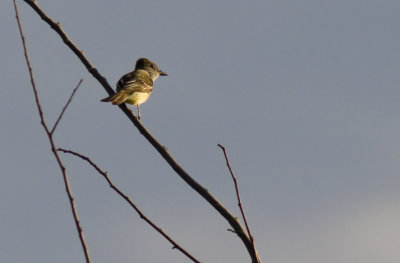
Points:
(152, 140)
(51, 141)
(57, 27)
(65, 107)
(238, 196)
(127, 199)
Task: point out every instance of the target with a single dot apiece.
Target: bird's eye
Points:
(152, 66)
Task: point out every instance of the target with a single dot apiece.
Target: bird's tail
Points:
(117, 98)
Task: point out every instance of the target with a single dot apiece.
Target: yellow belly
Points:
(137, 98)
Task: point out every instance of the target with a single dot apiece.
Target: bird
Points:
(135, 87)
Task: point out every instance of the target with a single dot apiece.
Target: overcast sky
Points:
(303, 94)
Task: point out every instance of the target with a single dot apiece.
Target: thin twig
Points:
(50, 137)
(127, 199)
(237, 195)
(241, 232)
(65, 107)
(236, 188)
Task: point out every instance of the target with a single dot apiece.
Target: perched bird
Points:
(135, 87)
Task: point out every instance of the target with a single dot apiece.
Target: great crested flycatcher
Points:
(135, 87)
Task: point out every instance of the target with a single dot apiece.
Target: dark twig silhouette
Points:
(51, 141)
(65, 107)
(237, 195)
(127, 199)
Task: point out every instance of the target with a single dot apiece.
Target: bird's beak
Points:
(162, 73)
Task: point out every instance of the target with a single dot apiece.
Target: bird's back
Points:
(137, 78)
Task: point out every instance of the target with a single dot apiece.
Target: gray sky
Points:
(303, 94)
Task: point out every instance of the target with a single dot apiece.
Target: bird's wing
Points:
(136, 81)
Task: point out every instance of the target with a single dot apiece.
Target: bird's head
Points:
(150, 67)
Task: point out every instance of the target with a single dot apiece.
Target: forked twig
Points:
(127, 199)
(237, 195)
(50, 137)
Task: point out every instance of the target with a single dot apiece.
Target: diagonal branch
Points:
(65, 107)
(235, 224)
(57, 27)
(127, 199)
(51, 141)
